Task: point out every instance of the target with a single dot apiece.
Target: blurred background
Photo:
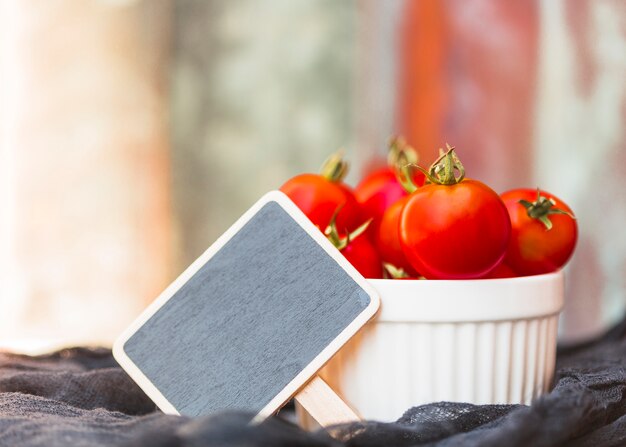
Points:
(134, 132)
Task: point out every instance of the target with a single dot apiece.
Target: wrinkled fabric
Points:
(80, 397)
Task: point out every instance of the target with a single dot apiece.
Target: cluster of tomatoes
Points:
(404, 221)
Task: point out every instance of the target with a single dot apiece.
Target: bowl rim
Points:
(529, 278)
(469, 300)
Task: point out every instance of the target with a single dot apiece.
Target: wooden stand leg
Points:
(323, 404)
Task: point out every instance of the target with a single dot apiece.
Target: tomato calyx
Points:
(400, 153)
(335, 168)
(541, 208)
(446, 170)
(401, 158)
(393, 272)
(332, 234)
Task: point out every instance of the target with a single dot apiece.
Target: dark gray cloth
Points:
(80, 397)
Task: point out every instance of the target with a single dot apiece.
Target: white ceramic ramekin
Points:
(479, 341)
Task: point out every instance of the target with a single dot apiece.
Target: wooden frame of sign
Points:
(184, 351)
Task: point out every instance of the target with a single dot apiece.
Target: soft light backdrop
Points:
(135, 132)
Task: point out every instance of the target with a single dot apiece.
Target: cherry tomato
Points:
(320, 195)
(364, 257)
(544, 231)
(454, 228)
(501, 271)
(356, 248)
(376, 193)
(381, 188)
(388, 238)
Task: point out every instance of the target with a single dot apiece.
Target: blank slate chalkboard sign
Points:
(251, 321)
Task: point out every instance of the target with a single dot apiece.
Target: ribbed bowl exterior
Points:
(390, 367)
(411, 355)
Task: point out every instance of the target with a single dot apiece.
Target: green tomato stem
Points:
(332, 234)
(447, 169)
(393, 272)
(400, 153)
(401, 158)
(335, 168)
(541, 208)
(404, 177)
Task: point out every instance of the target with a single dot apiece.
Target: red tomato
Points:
(544, 231)
(388, 237)
(454, 228)
(364, 257)
(501, 271)
(320, 195)
(357, 249)
(376, 193)
(381, 188)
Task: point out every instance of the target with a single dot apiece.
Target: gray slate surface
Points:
(249, 320)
